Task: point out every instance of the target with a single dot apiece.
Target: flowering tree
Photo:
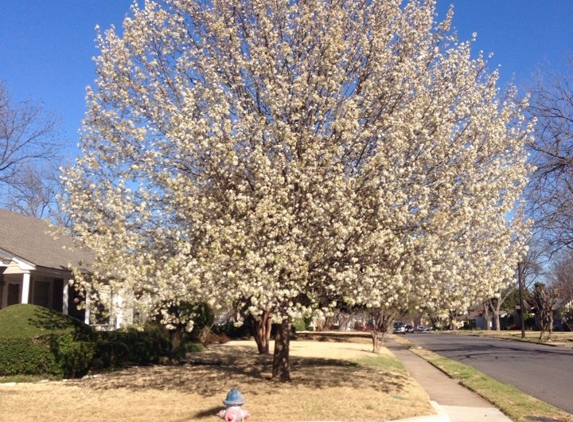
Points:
(289, 155)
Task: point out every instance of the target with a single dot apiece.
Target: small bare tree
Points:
(544, 299)
(34, 190)
(550, 192)
(382, 320)
(562, 280)
(29, 152)
(563, 275)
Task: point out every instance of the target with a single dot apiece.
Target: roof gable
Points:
(35, 241)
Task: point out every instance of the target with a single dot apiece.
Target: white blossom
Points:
(296, 154)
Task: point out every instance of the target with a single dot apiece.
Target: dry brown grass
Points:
(327, 384)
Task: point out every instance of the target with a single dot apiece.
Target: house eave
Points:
(15, 264)
(60, 272)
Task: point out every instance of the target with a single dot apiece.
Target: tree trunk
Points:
(328, 323)
(204, 334)
(497, 313)
(487, 317)
(281, 362)
(377, 340)
(497, 321)
(343, 320)
(261, 329)
(453, 323)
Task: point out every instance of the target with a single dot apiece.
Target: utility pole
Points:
(521, 307)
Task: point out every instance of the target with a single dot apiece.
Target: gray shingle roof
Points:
(35, 241)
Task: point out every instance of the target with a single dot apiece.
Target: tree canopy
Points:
(290, 155)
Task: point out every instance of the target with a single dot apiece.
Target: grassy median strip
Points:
(564, 338)
(387, 362)
(518, 406)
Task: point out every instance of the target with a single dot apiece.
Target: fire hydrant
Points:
(234, 411)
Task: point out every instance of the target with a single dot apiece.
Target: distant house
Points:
(35, 266)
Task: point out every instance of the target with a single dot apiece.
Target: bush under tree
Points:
(40, 341)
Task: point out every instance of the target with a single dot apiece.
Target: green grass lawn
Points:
(557, 337)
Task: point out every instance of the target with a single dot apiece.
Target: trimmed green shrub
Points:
(40, 341)
(230, 330)
(202, 321)
(26, 356)
(74, 357)
(118, 349)
(298, 325)
(178, 318)
(302, 324)
(194, 347)
(31, 321)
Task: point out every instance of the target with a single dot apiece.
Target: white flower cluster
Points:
(287, 156)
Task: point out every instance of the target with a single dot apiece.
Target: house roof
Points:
(37, 242)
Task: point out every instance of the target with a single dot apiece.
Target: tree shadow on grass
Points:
(204, 414)
(219, 369)
(48, 321)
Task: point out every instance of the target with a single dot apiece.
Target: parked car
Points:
(399, 328)
(409, 328)
(424, 328)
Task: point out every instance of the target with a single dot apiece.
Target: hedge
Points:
(26, 356)
(117, 349)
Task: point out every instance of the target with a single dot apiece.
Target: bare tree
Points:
(550, 192)
(563, 275)
(562, 280)
(382, 319)
(33, 191)
(544, 299)
(29, 151)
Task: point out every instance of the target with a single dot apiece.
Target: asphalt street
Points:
(541, 371)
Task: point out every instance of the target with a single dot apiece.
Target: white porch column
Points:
(87, 310)
(118, 302)
(66, 297)
(26, 288)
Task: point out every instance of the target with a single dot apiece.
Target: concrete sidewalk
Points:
(453, 402)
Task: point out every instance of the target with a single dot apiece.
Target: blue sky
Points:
(46, 46)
